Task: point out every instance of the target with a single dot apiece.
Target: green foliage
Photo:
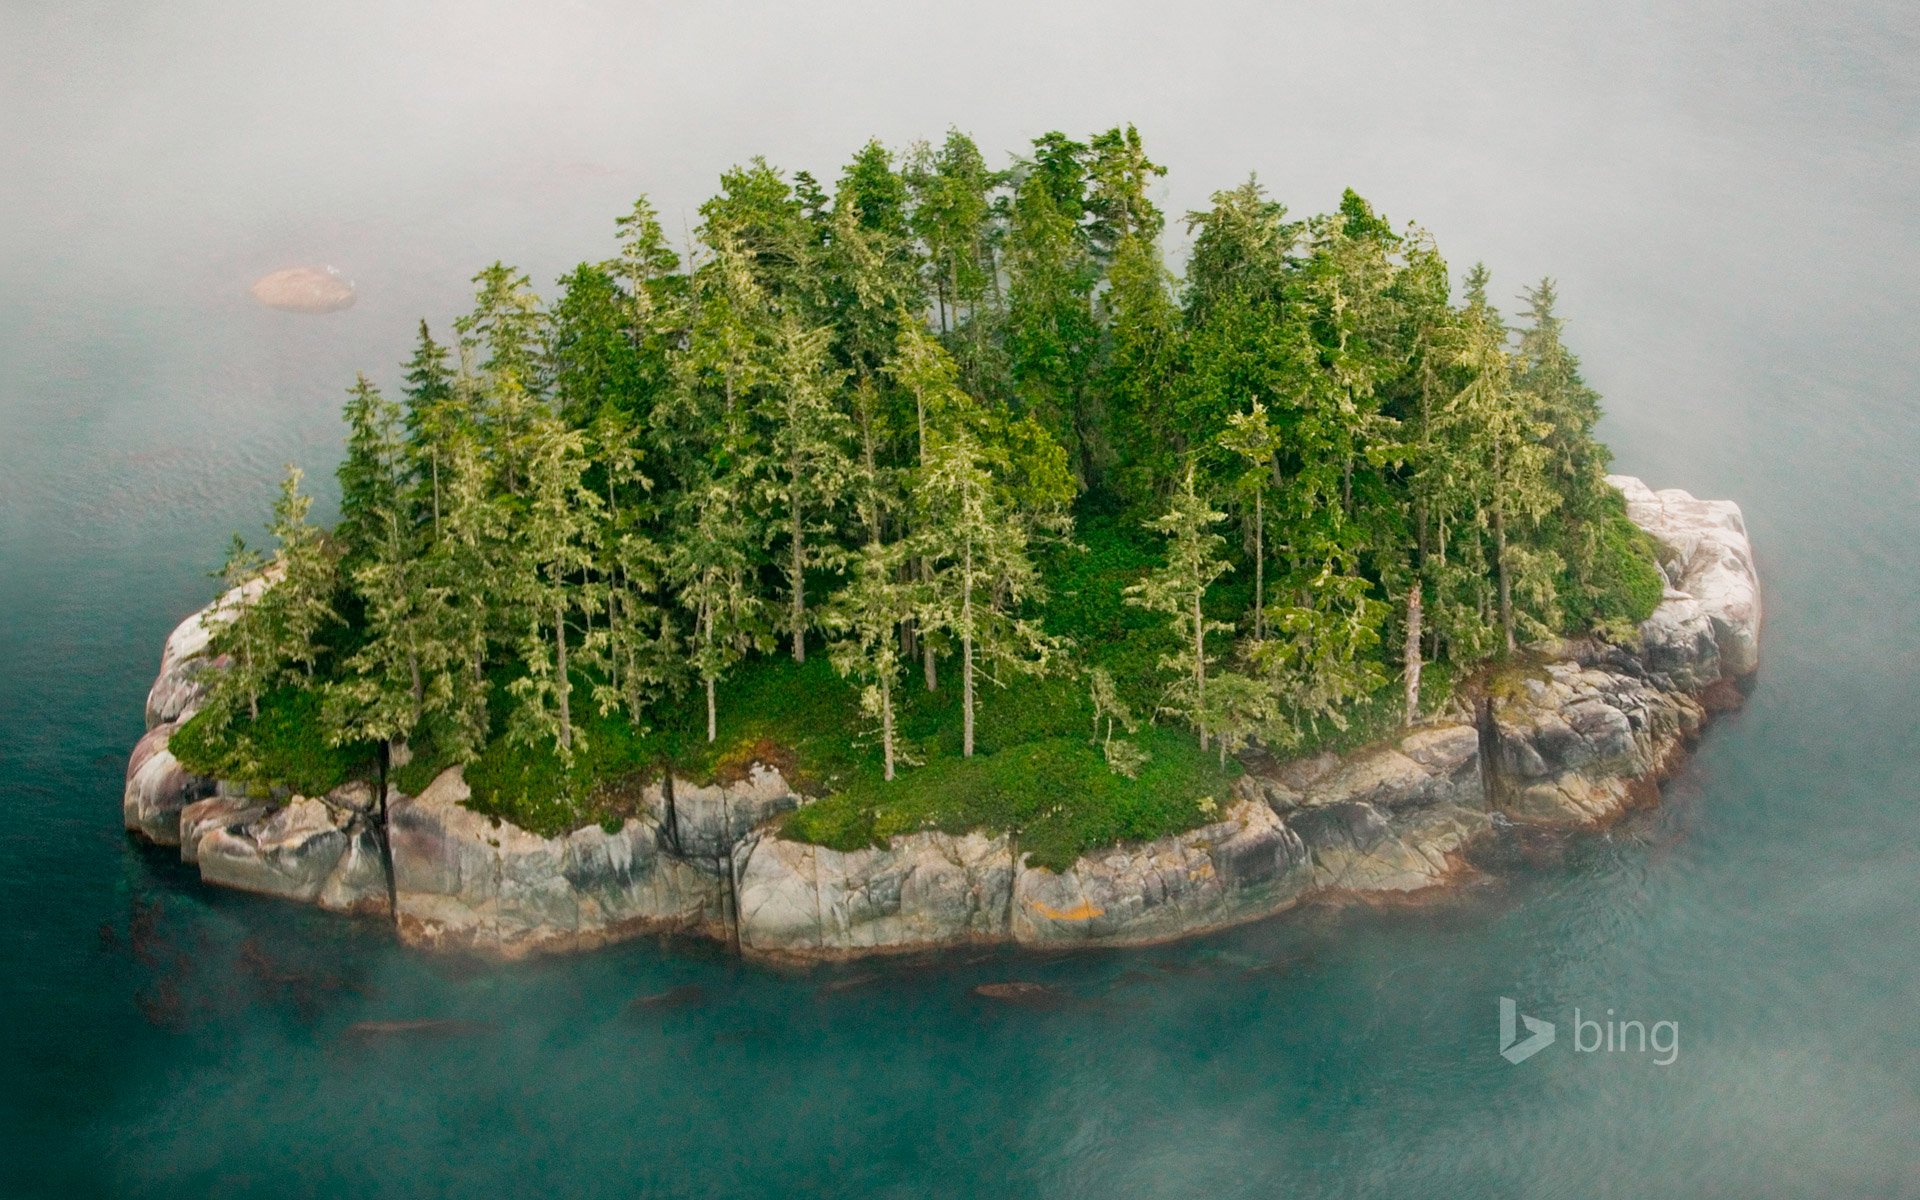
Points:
(949, 417)
(1056, 795)
(285, 746)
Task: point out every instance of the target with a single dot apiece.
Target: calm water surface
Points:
(1728, 199)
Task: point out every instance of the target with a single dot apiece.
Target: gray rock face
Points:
(290, 851)
(1357, 847)
(707, 821)
(1708, 560)
(464, 881)
(1437, 764)
(158, 787)
(202, 817)
(1578, 747)
(1246, 865)
(923, 889)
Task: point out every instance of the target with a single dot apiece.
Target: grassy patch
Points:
(284, 746)
(1056, 795)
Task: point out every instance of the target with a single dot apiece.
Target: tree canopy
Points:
(952, 416)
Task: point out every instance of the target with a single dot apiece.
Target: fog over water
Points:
(1729, 197)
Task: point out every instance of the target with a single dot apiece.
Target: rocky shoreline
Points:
(1572, 743)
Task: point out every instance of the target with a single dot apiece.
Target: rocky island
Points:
(1586, 736)
(956, 433)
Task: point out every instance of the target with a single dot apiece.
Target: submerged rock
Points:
(305, 290)
(1023, 992)
(436, 1027)
(687, 995)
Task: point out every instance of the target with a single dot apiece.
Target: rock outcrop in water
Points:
(1570, 743)
(304, 290)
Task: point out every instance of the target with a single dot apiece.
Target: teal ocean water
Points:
(1729, 200)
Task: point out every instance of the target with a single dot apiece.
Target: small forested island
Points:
(921, 562)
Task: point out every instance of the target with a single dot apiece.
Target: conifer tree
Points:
(300, 604)
(952, 215)
(1120, 173)
(926, 373)
(864, 616)
(711, 566)
(1319, 657)
(1179, 590)
(811, 464)
(1144, 371)
(1052, 337)
(553, 548)
(631, 650)
(433, 413)
(464, 566)
(240, 635)
(980, 570)
(508, 325)
(371, 479)
(1252, 437)
(1493, 429)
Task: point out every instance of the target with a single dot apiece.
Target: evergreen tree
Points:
(980, 570)
(1119, 173)
(952, 215)
(1052, 337)
(711, 566)
(1145, 367)
(811, 464)
(240, 636)
(433, 414)
(1251, 437)
(1319, 657)
(1179, 590)
(371, 475)
(464, 566)
(553, 549)
(865, 615)
(1495, 431)
(508, 325)
(300, 604)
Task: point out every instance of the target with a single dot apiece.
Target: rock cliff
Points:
(1569, 743)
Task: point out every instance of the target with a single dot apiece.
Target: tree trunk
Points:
(1500, 553)
(966, 696)
(1259, 565)
(1199, 670)
(886, 725)
(966, 658)
(562, 685)
(798, 570)
(927, 665)
(706, 633)
(386, 837)
(1413, 653)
